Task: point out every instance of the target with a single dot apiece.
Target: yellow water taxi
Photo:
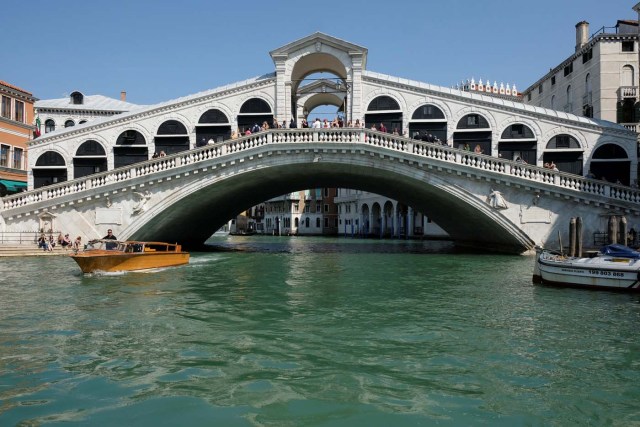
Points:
(114, 256)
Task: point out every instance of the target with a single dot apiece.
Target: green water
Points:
(321, 332)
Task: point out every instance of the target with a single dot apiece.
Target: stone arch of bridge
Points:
(201, 206)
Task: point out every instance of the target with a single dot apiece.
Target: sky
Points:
(158, 50)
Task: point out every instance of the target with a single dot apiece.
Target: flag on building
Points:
(37, 125)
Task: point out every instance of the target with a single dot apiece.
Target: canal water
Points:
(310, 331)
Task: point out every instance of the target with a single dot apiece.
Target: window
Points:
(77, 98)
(69, 123)
(6, 107)
(472, 120)
(568, 69)
(296, 207)
(317, 222)
(628, 46)
(17, 157)
(326, 223)
(562, 141)
(49, 126)
(306, 222)
(326, 192)
(529, 96)
(307, 208)
(335, 222)
(627, 78)
(553, 80)
(540, 89)
(326, 208)
(586, 57)
(4, 155)
(19, 111)
(318, 207)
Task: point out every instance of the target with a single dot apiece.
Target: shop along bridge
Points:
(481, 201)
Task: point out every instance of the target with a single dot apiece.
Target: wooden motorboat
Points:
(615, 267)
(113, 255)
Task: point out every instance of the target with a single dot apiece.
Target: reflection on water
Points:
(291, 331)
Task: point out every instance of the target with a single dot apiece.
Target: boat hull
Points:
(599, 273)
(107, 261)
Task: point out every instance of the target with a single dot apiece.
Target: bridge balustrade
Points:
(419, 148)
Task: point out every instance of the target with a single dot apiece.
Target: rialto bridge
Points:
(101, 175)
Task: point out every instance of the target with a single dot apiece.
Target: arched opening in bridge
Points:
(518, 140)
(308, 77)
(565, 151)
(427, 120)
(316, 90)
(131, 147)
(90, 158)
(384, 110)
(253, 112)
(610, 162)
(213, 126)
(471, 131)
(50, 169)
(172, 137)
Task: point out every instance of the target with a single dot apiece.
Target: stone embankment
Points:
(8, 250)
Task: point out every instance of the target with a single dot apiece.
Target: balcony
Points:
(627, 92)
(631, 126)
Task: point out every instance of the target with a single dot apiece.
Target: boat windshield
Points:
(109, 245)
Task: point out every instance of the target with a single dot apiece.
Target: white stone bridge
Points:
(187, 196)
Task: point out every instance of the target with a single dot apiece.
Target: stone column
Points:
(410, 221)
(396, 221)
(356, 109)
(282, 102)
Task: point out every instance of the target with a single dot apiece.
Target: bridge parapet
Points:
(414, 148)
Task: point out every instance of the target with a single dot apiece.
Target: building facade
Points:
(599, 80)
(367, 214)
(16, 130)
(301, 213)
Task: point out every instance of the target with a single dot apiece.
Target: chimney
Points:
(582, 34)
(123, 96)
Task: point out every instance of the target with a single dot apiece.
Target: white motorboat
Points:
(615, 267)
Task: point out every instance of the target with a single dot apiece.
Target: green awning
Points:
(13, 186)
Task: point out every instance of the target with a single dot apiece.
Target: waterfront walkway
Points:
(8, 250)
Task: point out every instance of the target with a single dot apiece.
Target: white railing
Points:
(625, 92)
(316, 137)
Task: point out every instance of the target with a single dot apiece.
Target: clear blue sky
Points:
(160, 50)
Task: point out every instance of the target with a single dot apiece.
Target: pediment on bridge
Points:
(315, 42)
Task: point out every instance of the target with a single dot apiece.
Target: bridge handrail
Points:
(336, 135)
